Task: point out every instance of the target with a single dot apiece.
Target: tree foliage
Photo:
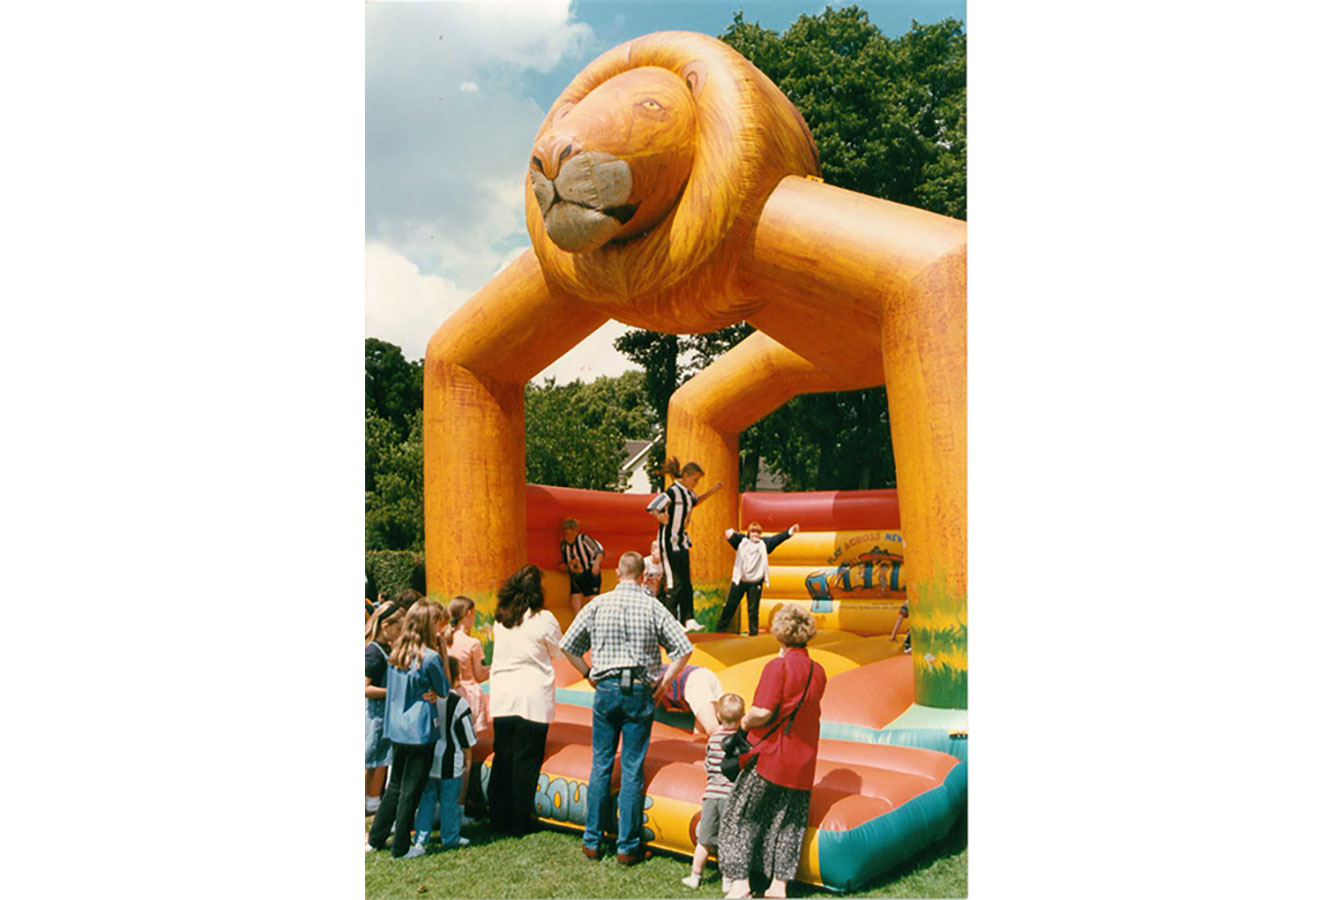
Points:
(393, 384)
(888, 117)
(393, 463)
(574, 433)
(394, 499)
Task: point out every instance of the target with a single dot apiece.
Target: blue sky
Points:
(454, 95)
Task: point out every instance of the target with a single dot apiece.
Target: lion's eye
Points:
(651, 104)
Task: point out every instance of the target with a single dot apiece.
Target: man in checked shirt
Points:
(623, 630)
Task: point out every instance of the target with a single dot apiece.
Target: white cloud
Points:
(448, 130)
(449, 126)
(592, 357)
(404, 306)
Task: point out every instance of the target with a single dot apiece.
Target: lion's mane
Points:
(679, 275)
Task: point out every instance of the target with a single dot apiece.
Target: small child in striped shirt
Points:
(730, 709)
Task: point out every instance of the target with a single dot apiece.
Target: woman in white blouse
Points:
(523, 696)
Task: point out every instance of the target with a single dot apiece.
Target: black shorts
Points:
(586, 583)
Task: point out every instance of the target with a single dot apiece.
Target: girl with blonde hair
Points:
(381, 630)
(414, 679)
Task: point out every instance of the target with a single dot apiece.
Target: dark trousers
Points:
(753, 591)
(408, 776)
(518, 745)
(680, 598)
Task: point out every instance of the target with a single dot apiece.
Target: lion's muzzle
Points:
(586, 204)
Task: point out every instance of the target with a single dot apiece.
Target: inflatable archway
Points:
(672, 186)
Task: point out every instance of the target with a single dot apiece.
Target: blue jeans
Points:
(628, 718)
(442, 793)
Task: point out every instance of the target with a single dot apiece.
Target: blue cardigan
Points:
(408, 718)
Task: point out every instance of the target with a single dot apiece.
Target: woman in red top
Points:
(764, 824)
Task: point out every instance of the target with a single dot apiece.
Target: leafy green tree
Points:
(393, 384)
(393, 464)
(561, 447)
(394, 519)
(888, 117)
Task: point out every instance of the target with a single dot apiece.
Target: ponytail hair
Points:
(459, 608)
(673, 468)
(375, 626)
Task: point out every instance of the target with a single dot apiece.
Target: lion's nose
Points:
(551, 151)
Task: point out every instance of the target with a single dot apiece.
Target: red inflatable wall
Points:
(821, 510)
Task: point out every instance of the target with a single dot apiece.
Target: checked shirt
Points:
(624, 629)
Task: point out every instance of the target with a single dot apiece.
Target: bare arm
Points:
(374, 693)
(478, 666)
(578, 661)
(710, 493)
(756, 717)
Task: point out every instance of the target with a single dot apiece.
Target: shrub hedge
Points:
(394, 570)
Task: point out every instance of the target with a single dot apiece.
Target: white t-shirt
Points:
(523, 683)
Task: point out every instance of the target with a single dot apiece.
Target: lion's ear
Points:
(693, 73)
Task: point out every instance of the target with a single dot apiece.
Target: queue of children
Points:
(420, 666)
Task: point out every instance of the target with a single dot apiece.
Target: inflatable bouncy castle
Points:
(673, 187)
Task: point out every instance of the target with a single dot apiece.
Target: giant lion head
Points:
(649, 172)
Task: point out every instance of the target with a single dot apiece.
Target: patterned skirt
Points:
(378, 749)
(762, 829)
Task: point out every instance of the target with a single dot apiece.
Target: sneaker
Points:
(693, 625)
(462, 842)
(415, 851)
(370, 849)
(692, 880)
(467, 820)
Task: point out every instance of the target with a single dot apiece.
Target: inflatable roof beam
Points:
(904, 268)
(670, 187)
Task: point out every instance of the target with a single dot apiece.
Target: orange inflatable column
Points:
(705, 417)
(474, 452)
(473, 427)
(904, 267)
(924, 335)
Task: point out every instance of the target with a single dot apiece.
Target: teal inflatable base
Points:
(850, 859)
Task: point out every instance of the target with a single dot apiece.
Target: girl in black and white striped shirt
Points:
(673, 510)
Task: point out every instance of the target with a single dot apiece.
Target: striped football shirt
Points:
(673, 533)
(456, 736)
(583, 549)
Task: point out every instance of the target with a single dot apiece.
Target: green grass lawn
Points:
(550, 864)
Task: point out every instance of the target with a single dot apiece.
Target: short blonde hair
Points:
(792, 625)
(731, 708)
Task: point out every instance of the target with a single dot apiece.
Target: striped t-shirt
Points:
(456, 736)
(584, 549)
(717, 786)
(673, 533)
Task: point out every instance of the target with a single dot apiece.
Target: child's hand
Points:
(794, 529)
(430, 697)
